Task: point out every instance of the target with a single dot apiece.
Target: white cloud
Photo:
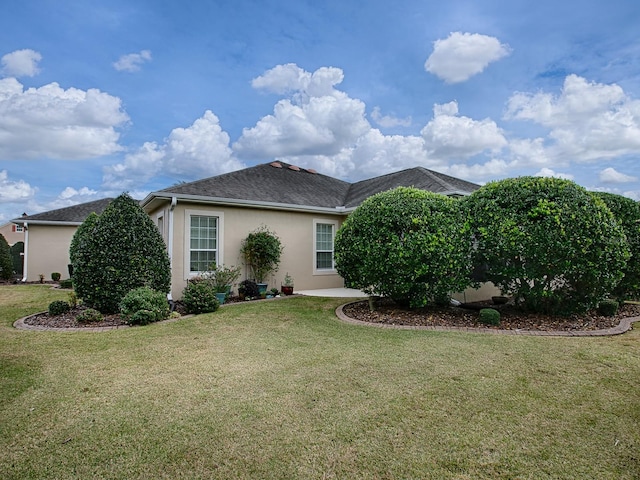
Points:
(547, 172)
(479, 172)
(463, 55)
(56, 123)
(610, 175)
(133, 61)
(587, 121)
(388, 121)
(450, 136)
(14, 191)
(315, 120)
(198, 151)
(21, 63)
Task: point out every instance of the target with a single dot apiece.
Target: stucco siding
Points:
(48, 251)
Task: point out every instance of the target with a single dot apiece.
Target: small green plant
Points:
(608, 307)
(222, 277)
(489, 316)
(288, 281)
(200, 297)
(152, 303)
(274, 292)
(249, 289)
(66, 283)
(55, 276)
(90, 315)
(73, 299)
(58, 307)
(41, 277)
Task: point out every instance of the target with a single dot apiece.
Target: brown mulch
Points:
(510, 317)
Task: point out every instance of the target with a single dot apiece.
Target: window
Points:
(323, 248)
(203, 243)
(18, 228)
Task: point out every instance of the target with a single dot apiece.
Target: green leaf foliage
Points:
(144, 299)
(122, 250)
(261, 250)
(200, 297)
(548, 242)
(627, 213)
(408, 244)
(6, 262)
(16, 250)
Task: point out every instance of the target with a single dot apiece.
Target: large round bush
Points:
(407, 244)
(548, 242)
(627, 213)
(121, 251)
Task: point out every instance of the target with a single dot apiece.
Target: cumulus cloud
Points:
(610, 175)
(453, 137)
(463, 55)
(198, 151)
(317, 119)
(587, 121)
(479, 172)
(21, 63)
(388, 121)
(14, 191)
(132, 62)
(56, 123)
(547, 172)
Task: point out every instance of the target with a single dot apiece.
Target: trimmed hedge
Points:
(153, 305)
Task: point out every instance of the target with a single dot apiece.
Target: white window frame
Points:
(19, 229)
(187, 238)
(160, 224)
(335, 224)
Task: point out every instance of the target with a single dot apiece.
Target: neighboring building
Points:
(204, 222)
(12, 232)
(48, 237)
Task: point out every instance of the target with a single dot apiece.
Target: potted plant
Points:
(223, 277)
(261, 251)
(248, 289)
(287, 285)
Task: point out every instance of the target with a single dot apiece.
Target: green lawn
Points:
(282, 389)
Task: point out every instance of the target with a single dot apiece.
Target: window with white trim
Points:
(203, 243)
(324, 234)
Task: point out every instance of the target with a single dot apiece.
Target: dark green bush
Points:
(17, 251)
(121, 251)
(66, 283)
(200, 297)
(90, 315)
(55, 276)
(6, 262)
(406, 244)
(608, 307)
(489, 316)
(627, 213)
(58, 307)
(147, 300)
(547, 242)
(261, 251)
(249, 289)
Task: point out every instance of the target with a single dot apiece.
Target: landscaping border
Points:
(622, 327)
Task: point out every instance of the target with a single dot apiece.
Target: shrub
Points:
(6, 262)
(147, 300)
(58, 307)
(261, 251)
(66, 283)
(55, 276)
(121, 251)
(200, 297)
(627, 213)
(17, 250)
(547, 242)
(408, 244)
(73, 300)
(90, 315)
(608, 307)
(489, 316)
(249, 289)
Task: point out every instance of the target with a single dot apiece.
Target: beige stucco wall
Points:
(11, 236)
(48, 251)
(295, 230)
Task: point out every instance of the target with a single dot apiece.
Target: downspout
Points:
(25, 255)
(174, 202)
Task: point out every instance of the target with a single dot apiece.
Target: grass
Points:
(283, 389)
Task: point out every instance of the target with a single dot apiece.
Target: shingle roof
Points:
(274, 182)
(74, 214)
(282, 183)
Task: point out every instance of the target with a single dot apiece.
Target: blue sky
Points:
(97, 98)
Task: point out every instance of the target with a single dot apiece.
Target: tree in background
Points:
(548, 242)
(6, 263)
(17, 251)
(408, 244)
(627, 213)
(117, 252)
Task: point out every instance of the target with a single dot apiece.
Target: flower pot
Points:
(262, 287)
(221, 297)
(287, 289)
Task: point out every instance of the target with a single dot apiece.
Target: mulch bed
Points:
(511, 318)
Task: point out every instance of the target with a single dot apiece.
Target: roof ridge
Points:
(436, 176)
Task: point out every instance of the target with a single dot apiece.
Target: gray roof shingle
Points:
(74, 214)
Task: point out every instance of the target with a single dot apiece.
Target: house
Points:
(205, 221)
(12, 232)
(47, 237)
